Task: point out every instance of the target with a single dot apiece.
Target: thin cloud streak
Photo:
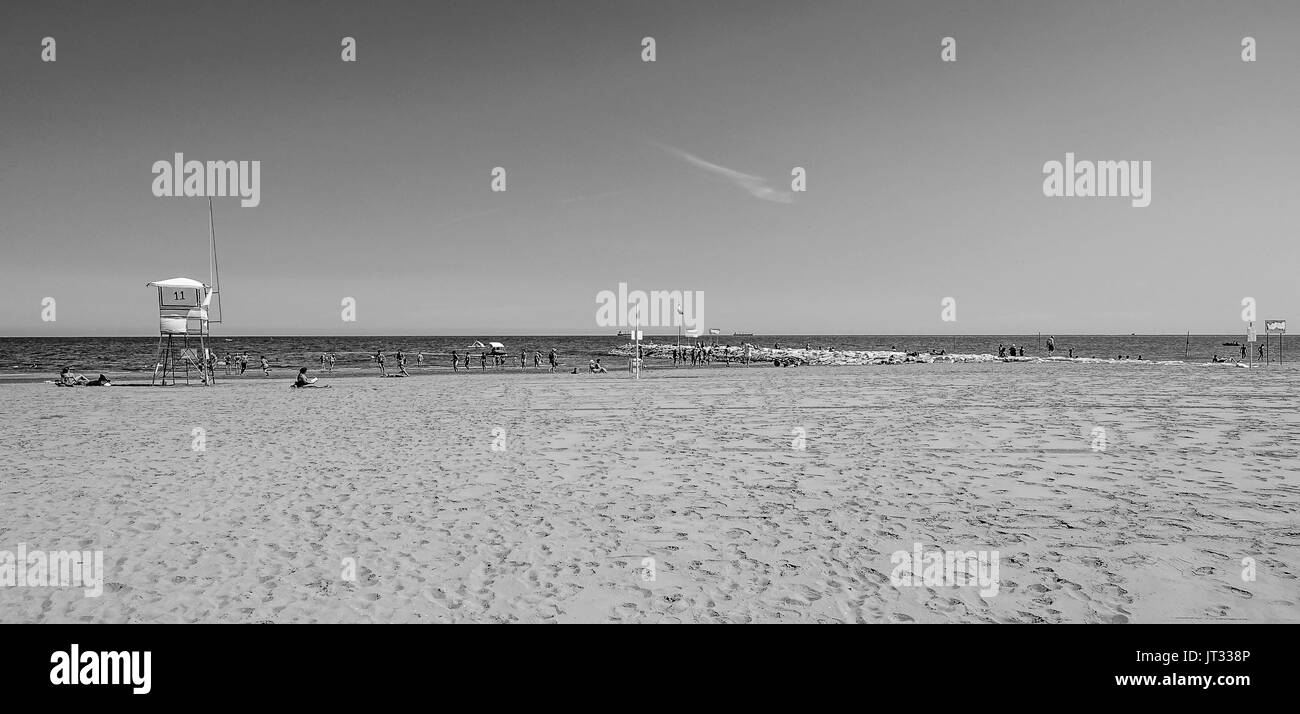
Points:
(755, 185)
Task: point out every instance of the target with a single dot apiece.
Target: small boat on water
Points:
(742, 334)
(1232, 344)
(624, 334)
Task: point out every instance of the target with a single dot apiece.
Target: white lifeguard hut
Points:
(182, 313)
(183, 305)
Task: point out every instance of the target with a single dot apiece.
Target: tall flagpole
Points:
(215, 268)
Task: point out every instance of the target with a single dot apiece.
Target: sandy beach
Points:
(538, 497)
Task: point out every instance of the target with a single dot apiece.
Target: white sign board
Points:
(174, 298)
(1275, 326)
(1250, 333)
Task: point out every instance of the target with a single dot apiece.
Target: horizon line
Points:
(584, 334)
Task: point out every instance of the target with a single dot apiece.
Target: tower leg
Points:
(157, 363)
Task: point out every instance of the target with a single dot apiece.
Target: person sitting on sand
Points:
(68, 378)
(304, 381)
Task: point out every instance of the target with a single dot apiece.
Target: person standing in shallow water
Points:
(379, 357)
(1051, 345)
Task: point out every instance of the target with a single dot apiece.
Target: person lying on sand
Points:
(100, 381)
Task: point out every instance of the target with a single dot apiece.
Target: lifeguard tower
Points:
(182, 313)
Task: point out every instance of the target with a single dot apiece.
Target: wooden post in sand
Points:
(1250, 344)
(636, 345)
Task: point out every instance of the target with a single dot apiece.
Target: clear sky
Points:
(924, 177)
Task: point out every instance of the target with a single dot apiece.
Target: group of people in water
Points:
(240, 362)
(499, 359)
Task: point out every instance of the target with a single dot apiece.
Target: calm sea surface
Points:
(136, 354)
